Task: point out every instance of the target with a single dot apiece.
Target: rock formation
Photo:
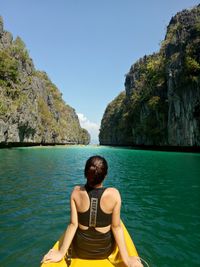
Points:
(32, 110)
(161, 102)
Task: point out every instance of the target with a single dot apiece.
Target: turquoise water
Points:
(160, 192)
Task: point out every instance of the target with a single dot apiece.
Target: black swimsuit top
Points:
(102, 219)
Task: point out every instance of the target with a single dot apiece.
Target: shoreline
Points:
(11, 145)
(193, 149)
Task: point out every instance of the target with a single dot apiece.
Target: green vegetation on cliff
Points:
(31, 107)
(161, 102)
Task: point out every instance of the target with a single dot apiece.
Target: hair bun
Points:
(95, 170)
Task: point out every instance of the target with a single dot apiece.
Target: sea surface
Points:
(160, 207)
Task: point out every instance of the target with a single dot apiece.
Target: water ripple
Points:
(160, 201)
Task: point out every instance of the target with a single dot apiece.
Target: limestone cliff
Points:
(161, 102)
(32, 110)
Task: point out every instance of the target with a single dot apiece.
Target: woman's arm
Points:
(119, 234)
(57, 255)
(117, 228)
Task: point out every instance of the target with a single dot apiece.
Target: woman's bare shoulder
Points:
(78, 189)
(113, 191)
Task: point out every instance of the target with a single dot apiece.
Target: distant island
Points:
(32, 111)
(160, 106)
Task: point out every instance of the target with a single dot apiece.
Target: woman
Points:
(95, 219)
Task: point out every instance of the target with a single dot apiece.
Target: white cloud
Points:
(92, 127)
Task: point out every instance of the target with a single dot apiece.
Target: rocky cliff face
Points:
(31, 107)
(161, 102)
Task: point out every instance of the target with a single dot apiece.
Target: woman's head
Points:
(96, 169)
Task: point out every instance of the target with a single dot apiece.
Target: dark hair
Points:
(96, 169)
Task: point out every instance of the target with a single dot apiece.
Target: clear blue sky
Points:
(87, 46)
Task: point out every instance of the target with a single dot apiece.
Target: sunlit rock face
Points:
(31, 106)
(161, 102)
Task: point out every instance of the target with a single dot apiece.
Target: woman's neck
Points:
(89, 187)
(98, 185)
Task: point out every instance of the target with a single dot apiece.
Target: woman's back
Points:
(107, 201)
(94, 205)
